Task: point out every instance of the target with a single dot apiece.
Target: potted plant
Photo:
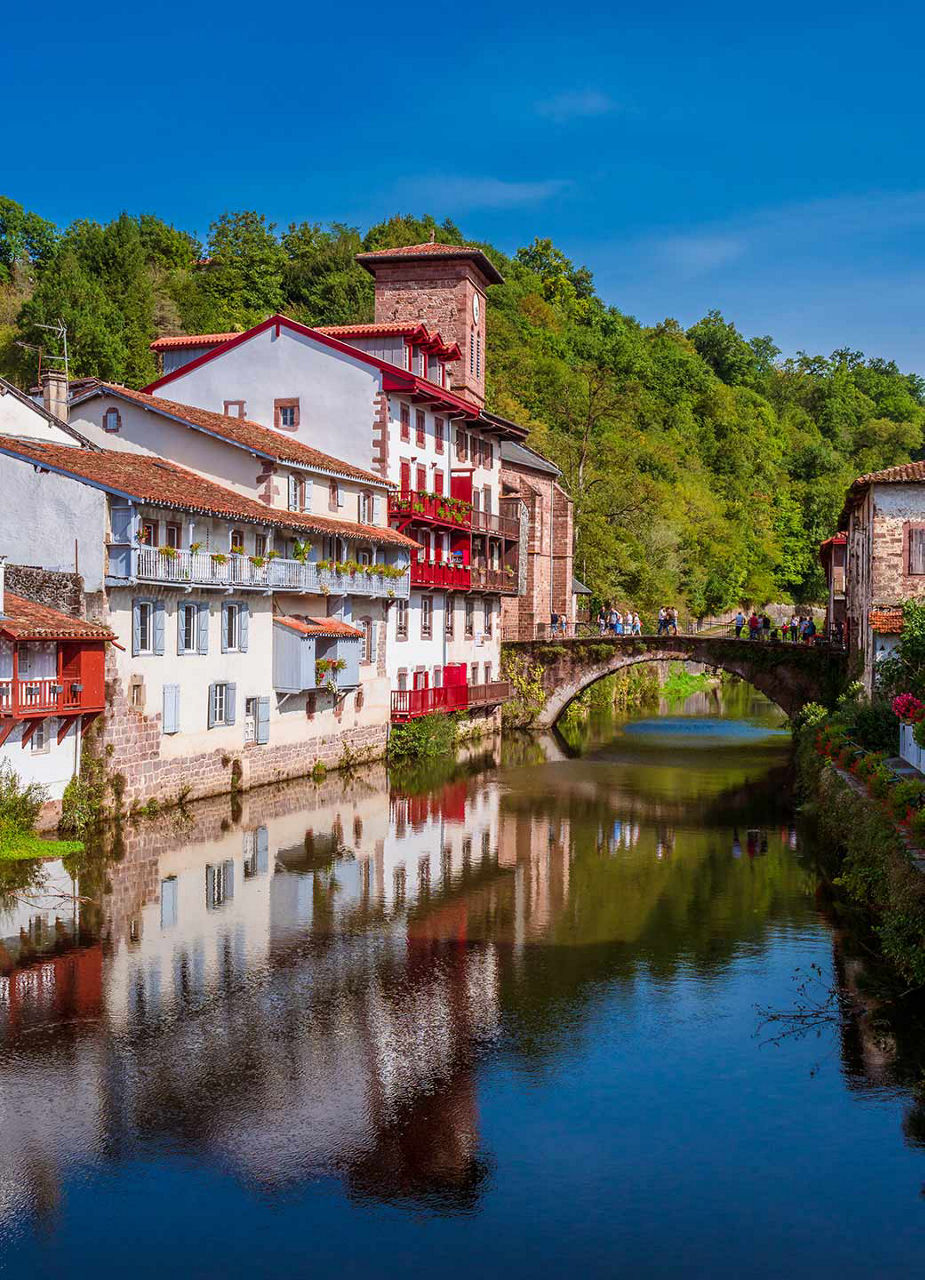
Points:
(219, 557)
(169, 553)
(258, 561)
(195, 546)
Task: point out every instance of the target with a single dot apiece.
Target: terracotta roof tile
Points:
(183, 340)
(317, 626)
(161, 483)
(411, 252)
(395, 329)
(244, 433)
(886, 620)
(913, 472)
(25, 620)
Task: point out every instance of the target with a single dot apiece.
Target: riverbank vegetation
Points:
(705, 469)
(424, 739)
(681, 683)
(20, 805)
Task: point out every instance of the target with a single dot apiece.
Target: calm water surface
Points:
(503, 1019)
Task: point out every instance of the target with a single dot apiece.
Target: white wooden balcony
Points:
(216, 569)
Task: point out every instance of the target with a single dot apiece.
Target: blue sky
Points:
(763, 161)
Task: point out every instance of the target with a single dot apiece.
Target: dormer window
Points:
(112, 420)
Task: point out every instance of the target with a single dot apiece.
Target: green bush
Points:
(906, 795)
(810, 713)
(20, 801)
(874, 726)
(433, 735)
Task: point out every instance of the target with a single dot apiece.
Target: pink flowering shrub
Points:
(908, 708)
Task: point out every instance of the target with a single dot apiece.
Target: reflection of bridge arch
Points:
(790, 675)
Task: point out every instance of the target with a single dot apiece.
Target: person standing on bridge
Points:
(739, 624)
(637, 625)
(754, 626)
(794, 628)
(602, 619)
(673, 614)
(612, 620)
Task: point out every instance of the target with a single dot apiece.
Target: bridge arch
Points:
(790, 675)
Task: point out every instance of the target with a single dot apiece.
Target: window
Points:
(235, 627)
(335, 495)
(439, 434)
(188, 622)
(300, 493)
(486, 617)
(462, 446)
(286, 414)
(172, 534)
(419, 424)
(427, 616)
(221, 704)
(235, 409)
(488, 673)
(149, 532)
(916, 542)
(403, 680)
(438, 482)
(39, 741)
(145, 617)
(368, 644)
(366, 506)
(260, 544)
(237, 542)
(250, 719)
(405, 476)
(401, 619)
(112, 420)
(219, 884)
(486, 500)
(405, 423)
(438, 677)
(450, 616)
(470, 617)
(421, 479)
(474, 673)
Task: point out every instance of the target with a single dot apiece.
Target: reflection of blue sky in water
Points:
(703, 731)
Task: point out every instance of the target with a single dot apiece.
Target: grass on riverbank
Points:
(681, 683)
(20, 804)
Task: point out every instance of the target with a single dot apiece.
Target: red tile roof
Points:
(317, 626)
(905, 473)
(886, 620)
(25, 620)
(164, 484)
(242, 432)
(423, 252)
(181, 341)
(419, 333)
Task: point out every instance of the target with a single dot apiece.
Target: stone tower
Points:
(442, 286)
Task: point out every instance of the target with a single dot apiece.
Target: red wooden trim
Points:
(30, 730)
(65, 725)
(7, 729)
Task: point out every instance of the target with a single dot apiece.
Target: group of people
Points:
(760, 626)
(667, 622)
(611, 620)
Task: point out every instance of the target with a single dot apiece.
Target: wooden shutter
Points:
(211, 720)
(181, 628)
(203, 627)
(405, 476)
(171, 715)
(228, 879)
(263, 849)
(136, 627)
(225, 608)
(293, 493)
(244, 614)
(377, 508)
(263, 720)
(917, 550)
(231, 691)
(159, 623)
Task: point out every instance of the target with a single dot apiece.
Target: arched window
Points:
(112, 420)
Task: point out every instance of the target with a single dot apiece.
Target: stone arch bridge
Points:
(789, 674)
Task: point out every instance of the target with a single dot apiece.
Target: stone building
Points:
(884, 522)
(549, 542)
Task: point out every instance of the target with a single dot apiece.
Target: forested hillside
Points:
(704, 468)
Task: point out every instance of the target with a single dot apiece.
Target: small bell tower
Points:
(443, 286)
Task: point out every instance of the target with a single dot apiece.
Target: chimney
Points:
(2, 582)
(54, 393)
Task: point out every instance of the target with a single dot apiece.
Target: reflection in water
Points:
(396, 993)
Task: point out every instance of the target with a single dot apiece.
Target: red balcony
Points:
(77, 689)
(451, 577)
(415, 506)
(409, 704)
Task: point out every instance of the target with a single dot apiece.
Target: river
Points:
(515, 1015)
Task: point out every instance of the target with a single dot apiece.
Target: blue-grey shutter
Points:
(203, 633)
(212, 689)
(307, 498)
(122, 522)
(263, 851)
(263, 719)
(210, 886)
(293, 493)
(136, 628)
(230, 700)
(171, 717)
(225, 609)
(181, 628)
(159, 621)
(244, 614)
(122, 525)
(377, 508)
(169, 902)
(228, 868)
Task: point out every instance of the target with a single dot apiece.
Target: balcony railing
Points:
(202, 568)
(48, 696)
(429, 573)
(502, 526)
(414, 504)
(408, 704)
(499, 580)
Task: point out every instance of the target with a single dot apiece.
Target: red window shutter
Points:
(405, 477)
(405, 422)
(421, 482)
(438, 482)
(419, 428)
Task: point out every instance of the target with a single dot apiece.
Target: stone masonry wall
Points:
(56, 590)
